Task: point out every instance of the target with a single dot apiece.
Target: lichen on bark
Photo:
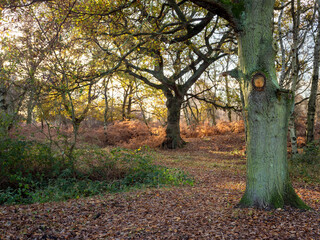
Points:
(266, 114)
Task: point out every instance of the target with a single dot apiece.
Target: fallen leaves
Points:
(204, 211)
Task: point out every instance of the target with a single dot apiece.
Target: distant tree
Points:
(12, 91)
(211, 93)
(173, 64)
(293, 26)
(315, 80)
(32, 48)
(69, 75)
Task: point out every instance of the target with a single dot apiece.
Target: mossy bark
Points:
(266, 112)
(173, 139)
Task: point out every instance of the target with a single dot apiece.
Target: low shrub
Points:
(306, 166)
(134, 134)
(26, 162)
(93, 136)
(30, 172)
(123, 131)
(127, 134)
(205, 130)
(301, 142)
(238, 126)
(141, 171)
(224, 127)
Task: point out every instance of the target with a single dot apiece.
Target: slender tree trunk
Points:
(228, 91)
(30, 107)
(4, 118)
(73, 143)
(106, 108)
(212, 116)
(266, 111)
(124, 103)
(143, 113)
(186, 114)
(106, 104)
(173, 139)
(314, 86)
(193, 117)
(112, 105)
(197, 116)
(3, 105)
(293, 135)
(295, 73)
(129, 105)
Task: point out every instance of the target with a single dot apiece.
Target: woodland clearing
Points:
(205, 210)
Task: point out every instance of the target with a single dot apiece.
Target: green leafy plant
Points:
(30, 172)
(306, 166)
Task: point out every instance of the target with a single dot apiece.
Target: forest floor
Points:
(205, 210)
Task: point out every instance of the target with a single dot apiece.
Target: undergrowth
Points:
(127, 134)
(306, 166)
(31, 172)
(133, 134)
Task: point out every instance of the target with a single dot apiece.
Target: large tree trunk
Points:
(173, 139)
(266, 111)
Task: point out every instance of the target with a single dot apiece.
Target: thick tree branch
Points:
(144, 79)
(234, 73)
(229, 11)
(194, 30)
(17, 4)
(200, 70)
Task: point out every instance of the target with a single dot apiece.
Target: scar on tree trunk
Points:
(267, 111)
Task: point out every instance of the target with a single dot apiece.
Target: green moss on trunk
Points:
(266, 114)
(277, 200)
(293, 200)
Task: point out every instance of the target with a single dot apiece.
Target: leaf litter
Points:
(203, 211)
